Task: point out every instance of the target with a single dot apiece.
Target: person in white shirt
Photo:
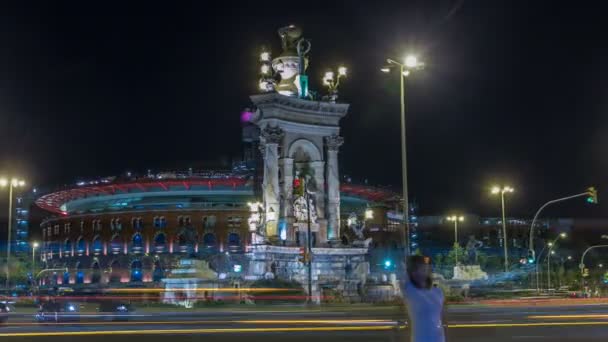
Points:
(424, 302)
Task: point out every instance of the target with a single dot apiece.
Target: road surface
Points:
(466, 323)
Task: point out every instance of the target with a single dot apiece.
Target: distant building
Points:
(21, 221)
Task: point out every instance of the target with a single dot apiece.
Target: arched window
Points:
(136, 271)
(137, 243)
(209, 240)
(67, 247)
(115, 244)
(115, 224)
(182, 243)
(137, 223)
(209, 221)
(160, 243)
(79, 273)
(80, 246)
(234, 241)
(95, 273)
(158, 274)
(115, 273)
(97, 246)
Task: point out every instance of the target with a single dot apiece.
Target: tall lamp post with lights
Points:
(409, 64)
(502, 191)
(34, 246)
(455, 219)
(11, 184)
(332, 82)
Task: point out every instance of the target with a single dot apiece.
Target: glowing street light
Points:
(410, 63)
(265, 56)
(14, 183)
(502, 191)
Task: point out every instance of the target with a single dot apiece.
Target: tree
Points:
(456, 253)
(19, 270)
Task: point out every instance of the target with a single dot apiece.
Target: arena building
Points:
(135, 229)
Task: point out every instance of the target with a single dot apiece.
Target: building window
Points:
(67, 246)
(234, 221)
(96, 224)
(209, 221)
(56, 229)
(160, 243)
(97, 245)
(80, 246)
(115, 244)
(81, 227)
(160, 222)
(136, 270)
(48, 231)
(66, 228)
(234, 240)
(180, 221)
(115, 225)
(209, 240)
(137, 223)
(137, 243)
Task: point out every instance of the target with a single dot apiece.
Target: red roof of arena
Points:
(54, 201)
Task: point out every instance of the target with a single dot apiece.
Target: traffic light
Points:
(591, 195)
(531, 257)
(302, 255)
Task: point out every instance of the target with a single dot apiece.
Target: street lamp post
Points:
(590, 192)
(410, 63)
(502, 191)
(455, 219)
(581, 265)
(34, 246)
(550, 245)
(551, 252)
(13, 183)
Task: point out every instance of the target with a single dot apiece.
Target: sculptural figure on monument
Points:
(356, 226)
(472, 247)
(291, 63)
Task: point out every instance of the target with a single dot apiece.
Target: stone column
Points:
(286, 165)
(270, 139)
(286, 216)
(319, 170)
(332, 177)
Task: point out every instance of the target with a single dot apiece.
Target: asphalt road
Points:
(561, 323)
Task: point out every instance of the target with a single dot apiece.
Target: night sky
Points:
(513, 92)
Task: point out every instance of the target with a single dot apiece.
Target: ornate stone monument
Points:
(300, 140)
